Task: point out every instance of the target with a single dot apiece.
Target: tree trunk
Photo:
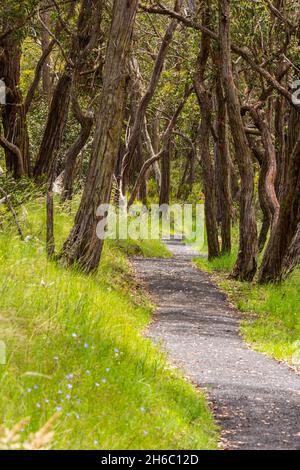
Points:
(164, 196)
(13, 113)
(56, 123)
(141, 111)
(292, 257)
(285, 230)
(83, 247)
(88, 27)
(86, 123)
(267, 180)
(246, 264)
(223, 164)
(208, 176)
(46, 69)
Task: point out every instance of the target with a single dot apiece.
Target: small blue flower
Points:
(143, 409)
(38, 405)
(116, 350)
(108, 369)
(70, 376)
(29, 390)
(68, 397)
(46, 400)
(96, 442)
(78, 402)
(104, 381)
(86, 345)
(35, 387)
(88, 372)
(69, 386)
(77, 417)
(58, 409)
(146, 433)
(97, 385)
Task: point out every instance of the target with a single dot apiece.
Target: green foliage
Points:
(75, 345)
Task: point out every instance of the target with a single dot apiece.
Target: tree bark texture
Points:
(83, 247)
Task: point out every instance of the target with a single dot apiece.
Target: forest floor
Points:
(255, 399)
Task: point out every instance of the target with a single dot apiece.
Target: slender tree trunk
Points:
(141, 111)
(292, 257)
(86, 123)
(280, 125)
(164, 197)
(83, 246)
(223, 164)
(156, 144)
(246, 264)
(46, 69)
(208, 173)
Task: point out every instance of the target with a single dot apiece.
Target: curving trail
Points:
(256, 400)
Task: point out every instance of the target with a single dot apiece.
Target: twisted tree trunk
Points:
(288, 220)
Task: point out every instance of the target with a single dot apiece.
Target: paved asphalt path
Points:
(255, 399)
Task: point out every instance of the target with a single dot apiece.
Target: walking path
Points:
(256, 400)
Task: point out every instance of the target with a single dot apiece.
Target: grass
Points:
(273, 326)
(75, 345)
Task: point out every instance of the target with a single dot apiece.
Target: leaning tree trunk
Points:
(13, 113)
(83, 247)
(148, 95)
(246, 264)
(56, 123)
(286, 227)
(46, 69)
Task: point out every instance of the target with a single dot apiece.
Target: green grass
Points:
(123, 394)
(272, 325)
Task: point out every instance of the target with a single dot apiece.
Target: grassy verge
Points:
(273, 326)
(75, 346)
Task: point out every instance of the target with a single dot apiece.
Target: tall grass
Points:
(75, 346)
